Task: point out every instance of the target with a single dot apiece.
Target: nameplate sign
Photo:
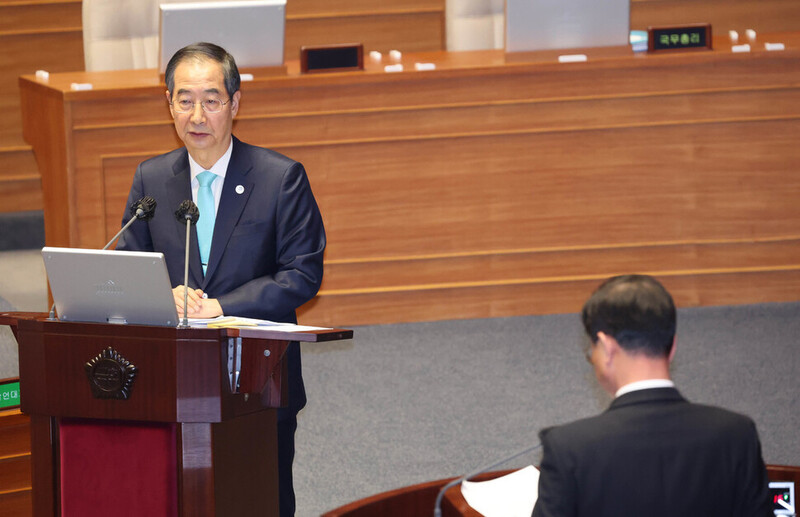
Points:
(332, 58)
(9, 394)
(679, 37)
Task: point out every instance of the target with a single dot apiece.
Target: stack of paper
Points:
(512, 495)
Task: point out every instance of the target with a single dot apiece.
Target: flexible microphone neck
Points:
(437, 510)
(114, 238)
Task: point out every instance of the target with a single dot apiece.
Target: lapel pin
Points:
(239, 189)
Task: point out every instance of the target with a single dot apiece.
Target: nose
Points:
(198, 115)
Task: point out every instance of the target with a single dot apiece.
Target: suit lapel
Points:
(235, 194)
(179, 189)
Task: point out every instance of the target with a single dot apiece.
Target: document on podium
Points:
(512, 495)
(240, 322)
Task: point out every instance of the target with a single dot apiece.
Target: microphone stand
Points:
(187, 211)
(185, 320)
(437, 509)
(130, 222)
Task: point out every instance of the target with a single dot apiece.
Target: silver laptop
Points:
(252, 31)
(563, 24)
(109, 286)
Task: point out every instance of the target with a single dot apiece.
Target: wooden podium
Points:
(141, 420)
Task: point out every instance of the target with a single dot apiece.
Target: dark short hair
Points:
(636, 310)
(204, 50)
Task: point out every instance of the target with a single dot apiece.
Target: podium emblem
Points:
(110, 375)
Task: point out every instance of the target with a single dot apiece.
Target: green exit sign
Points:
(9, 395)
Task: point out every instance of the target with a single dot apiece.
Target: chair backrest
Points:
(121, 34)
(475, 24)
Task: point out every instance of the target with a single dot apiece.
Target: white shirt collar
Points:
(219, 168)
(644, 385)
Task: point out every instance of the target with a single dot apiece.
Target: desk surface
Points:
(124, 82)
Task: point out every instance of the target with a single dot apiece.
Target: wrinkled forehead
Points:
(197, 76)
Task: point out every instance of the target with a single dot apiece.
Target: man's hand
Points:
(197, 306)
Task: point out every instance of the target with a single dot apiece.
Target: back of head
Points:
(635, 310)
(205, 51)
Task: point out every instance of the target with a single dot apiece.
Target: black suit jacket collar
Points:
(230, 207)
(647, 396)
(235, 194)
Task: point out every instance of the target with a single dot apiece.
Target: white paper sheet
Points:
(512, 495)
(236, 321)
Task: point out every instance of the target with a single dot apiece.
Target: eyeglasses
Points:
(208, 105)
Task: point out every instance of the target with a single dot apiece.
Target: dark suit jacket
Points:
(266, 252)
(654, 454)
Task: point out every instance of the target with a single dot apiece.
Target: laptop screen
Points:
(251, 31)
(555, 24)
(106, 286)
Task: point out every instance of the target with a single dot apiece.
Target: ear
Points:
(672, 352)
(169, 101)
(609, 344)
(235, 103)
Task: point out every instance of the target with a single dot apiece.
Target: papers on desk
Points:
(512, 495)
(239, 322)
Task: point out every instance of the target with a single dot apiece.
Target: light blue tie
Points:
(205, 225)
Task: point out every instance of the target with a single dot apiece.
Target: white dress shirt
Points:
(644, 385)
(219, 168)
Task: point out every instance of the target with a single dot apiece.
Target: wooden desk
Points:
(485, 187)
(418, 500)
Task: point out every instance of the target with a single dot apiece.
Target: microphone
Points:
(143, 209)
(187, 211)
(437, 509)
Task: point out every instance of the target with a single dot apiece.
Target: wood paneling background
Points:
(15, 464)
(487, 188)
(33, 35)
(47, 35)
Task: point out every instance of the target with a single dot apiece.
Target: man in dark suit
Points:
(260, 252)
(652, 453)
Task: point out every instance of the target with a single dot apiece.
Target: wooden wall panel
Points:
(506, 191)
(15, 464)
(546, 296)
(36, 17)
(524, 115)
(17, 504)
(300, 8)
(509, 266)
(33, 35)
(31, 47)
(407, 25)
(404, 31)
(486, 189)
(20, 195)
(19, 164)
(47, 35)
